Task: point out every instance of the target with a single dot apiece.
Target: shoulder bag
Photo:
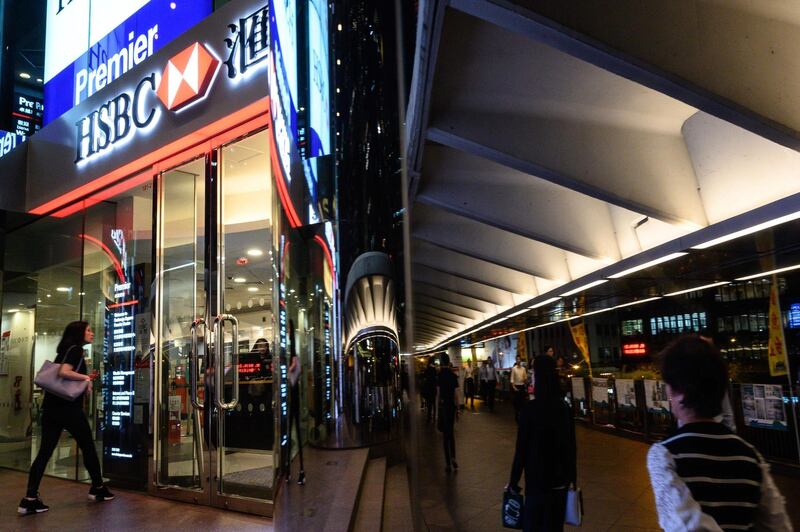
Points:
(48, 378)
(574, 513)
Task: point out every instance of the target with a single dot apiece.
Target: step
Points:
(397, 513)
(369, 513)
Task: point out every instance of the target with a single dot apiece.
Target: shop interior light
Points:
(254, 252)
(545, 302)
(765, 274)
(252, 289)
(749, 230)
(523, 311)
(242, 280)
(63, 289)
(584, 287)
(639, 302)
(696, 288)
(647, 264)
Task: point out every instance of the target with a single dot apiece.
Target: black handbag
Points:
(513, 505)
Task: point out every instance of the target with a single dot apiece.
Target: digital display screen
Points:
(794, 316)
(319, 141)
(637, 349)
(27, 114)
(9, 141)
(89, 44)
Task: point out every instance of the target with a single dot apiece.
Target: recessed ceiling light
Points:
(24, 75)
(39, 80)
(255, 252)
(239, 280)
(63, 289)
(252, 289)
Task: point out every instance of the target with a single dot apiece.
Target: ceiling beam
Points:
(471, 214)
(445, 271)
(417, 293)
(440, 308)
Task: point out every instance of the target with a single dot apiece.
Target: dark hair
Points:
(546, 385)
(547, 348)
(74, 334)
(444, 360)
(695, 368)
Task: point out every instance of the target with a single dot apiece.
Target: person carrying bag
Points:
(65, 382)
(546, 452)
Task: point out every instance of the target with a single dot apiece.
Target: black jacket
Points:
(546, 448)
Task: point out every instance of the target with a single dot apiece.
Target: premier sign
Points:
(184, 80)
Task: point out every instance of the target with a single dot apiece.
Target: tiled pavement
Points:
(611, 471)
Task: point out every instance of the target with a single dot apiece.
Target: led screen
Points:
(319, 79)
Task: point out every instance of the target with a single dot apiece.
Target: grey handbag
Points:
(49, 379)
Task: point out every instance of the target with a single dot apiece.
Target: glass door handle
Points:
(193, 362)
(219, 362)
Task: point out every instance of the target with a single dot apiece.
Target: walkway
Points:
(71, 510)
(611, 471)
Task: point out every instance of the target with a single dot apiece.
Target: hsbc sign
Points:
(184, 80)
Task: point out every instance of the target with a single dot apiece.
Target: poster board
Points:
(626, 394)
(655, 393)
(763, 407)
(578, 389)
(600, 392)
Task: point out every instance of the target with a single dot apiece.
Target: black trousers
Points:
(294, 420)
(490, 387)
(447, 421)
(519, 392)
(54, 420)
(544, 510)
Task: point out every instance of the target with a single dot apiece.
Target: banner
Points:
(581, 340)
(626, 394)
(522, 348)
(776, 354)
(600, 392)
(762, 406)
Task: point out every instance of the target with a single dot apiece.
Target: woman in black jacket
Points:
(59, 414)
(545, 450)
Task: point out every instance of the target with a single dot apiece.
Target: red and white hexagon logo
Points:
(187, 77)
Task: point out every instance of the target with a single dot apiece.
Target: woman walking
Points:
(59, 414)
(447, 392)
(546, 451)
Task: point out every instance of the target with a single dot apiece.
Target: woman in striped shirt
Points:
(705, 477)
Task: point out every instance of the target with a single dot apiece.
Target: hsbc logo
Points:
(187, 77)
(185, 80)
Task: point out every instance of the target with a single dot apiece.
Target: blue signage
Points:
(146, 31)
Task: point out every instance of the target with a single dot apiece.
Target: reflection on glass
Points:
(182, 300)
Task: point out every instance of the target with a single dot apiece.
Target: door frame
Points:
(209, 493)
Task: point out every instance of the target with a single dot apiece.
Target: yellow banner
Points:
(777, 343)
(581, 340)
(522, 347)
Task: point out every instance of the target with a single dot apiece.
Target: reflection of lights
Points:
(647, 264)
(584, 287)
(764, 274)
(25, 75)
(638, 302)
(255, 252)
(48, 295)
(239, 280)
(63, 289)
(697, 288)
(575, 366)
(252, 289)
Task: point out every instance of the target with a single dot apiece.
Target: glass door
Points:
(213, 402)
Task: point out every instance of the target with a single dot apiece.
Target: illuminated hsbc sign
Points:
(91, 43)
(185, 79)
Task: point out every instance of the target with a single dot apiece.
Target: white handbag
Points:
(574, 513)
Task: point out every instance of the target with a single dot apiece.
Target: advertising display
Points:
(503, 351)
(626, 394)
(27, 114)
(578, 390)
(89, 44)
(600, 393)
(319, 105)
(763, 407)
(9, 141)
(655, 393)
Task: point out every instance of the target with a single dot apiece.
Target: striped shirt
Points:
(705, 477)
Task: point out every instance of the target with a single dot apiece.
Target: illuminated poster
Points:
(626, 394)
(319, 79)
(90, 44)
(600, 393)
(763, 407)
(655, 395)
(4, 345)
(578, 389)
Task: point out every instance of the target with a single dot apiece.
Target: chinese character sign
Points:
(776, 352)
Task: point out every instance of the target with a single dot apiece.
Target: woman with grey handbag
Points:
(59, 414)
(546, 451)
